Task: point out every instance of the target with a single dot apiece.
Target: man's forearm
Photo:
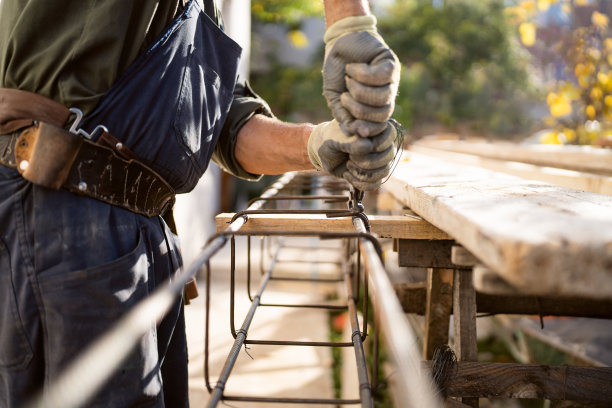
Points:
(270, 146)
(338, 9)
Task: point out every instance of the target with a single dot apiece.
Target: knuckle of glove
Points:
(385, 139)
(339, 112)
(366, 112)
(332, 160)
(370, 95)
(381, 71)
(373, 160)
(332, 140)
(364, 128)
(367, 175)
(361, 185)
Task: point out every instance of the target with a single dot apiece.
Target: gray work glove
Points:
(362, 161)
(360, 76)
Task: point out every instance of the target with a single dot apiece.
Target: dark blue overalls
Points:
(71, 266)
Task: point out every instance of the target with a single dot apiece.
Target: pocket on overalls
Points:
(200, 92)
(205, 97)
(15, 350)
(80, 305)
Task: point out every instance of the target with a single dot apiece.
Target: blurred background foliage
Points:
(492, 68)
(461, 68)
(579, 97)
(285, 11)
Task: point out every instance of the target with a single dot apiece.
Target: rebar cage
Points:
(351, 274)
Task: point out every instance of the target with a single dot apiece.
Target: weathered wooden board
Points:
(579, 158)
(438, 305)
(502, 380)
(540, 238)
(425, 253)
(405, 227)
(579, 180)
(413, 295)
(464, 312)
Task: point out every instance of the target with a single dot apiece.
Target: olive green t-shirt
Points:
(72, 51)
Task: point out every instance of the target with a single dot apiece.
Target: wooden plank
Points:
(540, 238)
(438, 305)
(464, 316)
(594, 183)
(425, 253)
(405, 227)
(462, 257)
(503, 380)
(464, 322)
(579, 158)
(412, 297)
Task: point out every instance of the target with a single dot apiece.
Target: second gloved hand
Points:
(362, 161)
(360, 76)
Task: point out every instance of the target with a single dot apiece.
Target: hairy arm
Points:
(338, 9)
(269, 146)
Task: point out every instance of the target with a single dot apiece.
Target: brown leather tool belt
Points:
(33, 141)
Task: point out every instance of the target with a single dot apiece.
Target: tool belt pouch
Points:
(52, 157)
(44, 154)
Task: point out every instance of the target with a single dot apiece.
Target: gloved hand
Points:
(360, 76)
(362, 161)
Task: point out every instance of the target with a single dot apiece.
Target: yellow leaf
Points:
(297, 39)
(581, 69)
(550, 138)
(603, 78)
(608, 44)
(528, 34)
(579, 3)
(516, 14)
(590, 111)
(570, 134)
(584, 82)
(570, 91)
(594, 53)
(608, 100)
(528, 5)
(559, 105)
(596, 94)
(543, 5)
(600, 20)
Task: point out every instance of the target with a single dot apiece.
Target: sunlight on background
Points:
(538, 71)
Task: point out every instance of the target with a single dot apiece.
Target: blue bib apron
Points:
(169, 107)
(71, 266)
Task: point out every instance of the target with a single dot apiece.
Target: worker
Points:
(109, 108)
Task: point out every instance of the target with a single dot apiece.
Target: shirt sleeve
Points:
(246, 103)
